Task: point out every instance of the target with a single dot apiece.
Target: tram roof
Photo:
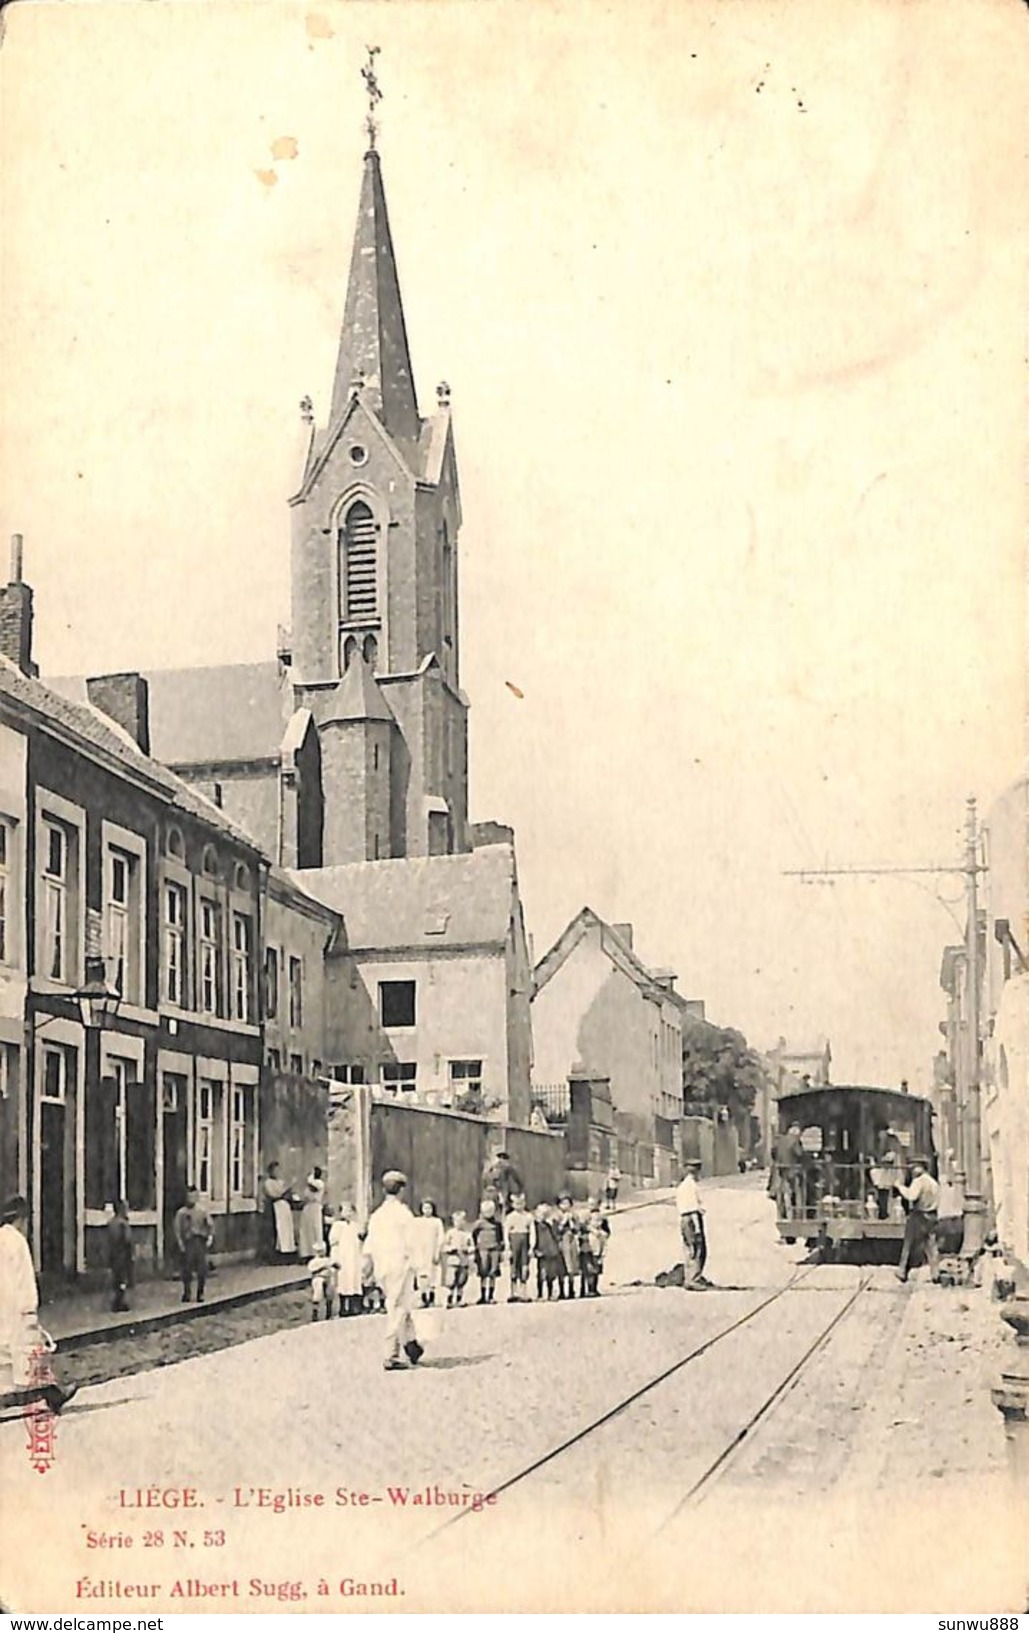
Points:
(908, 1096)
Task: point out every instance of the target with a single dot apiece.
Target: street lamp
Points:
(97, 1001)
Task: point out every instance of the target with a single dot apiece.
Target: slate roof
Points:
(422, 902)
(209, 715)
(94, 734)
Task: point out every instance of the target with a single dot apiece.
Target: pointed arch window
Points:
(359, 563)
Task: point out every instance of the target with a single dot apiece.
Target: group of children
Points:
(342, 1276)
(566, 1243)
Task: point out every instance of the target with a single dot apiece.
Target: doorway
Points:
(51, 1186)
(176, 1166)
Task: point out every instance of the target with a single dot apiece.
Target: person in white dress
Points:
(277, 1193)
(346, 1253)
(26, 1375)
(312, 1214)
(428, 1237)
(390, 1245)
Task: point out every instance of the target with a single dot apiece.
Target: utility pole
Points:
(974, 1206)
(970, 1172)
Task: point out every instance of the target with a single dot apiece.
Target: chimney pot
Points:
(17, 553)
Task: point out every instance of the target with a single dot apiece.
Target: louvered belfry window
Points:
(359, 563)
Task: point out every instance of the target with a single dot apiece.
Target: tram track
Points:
(743, 1436)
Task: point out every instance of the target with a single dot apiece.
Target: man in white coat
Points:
(390, 1244)
(22, 1343)
(691, 1226)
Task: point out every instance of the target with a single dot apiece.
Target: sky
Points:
(731, 301)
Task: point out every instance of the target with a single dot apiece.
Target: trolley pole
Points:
(974, 1205)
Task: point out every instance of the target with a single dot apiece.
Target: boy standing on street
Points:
(488, 1236)
(194, 1235)
(519, 1232)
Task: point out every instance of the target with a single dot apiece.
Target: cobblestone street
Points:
(306, 1409)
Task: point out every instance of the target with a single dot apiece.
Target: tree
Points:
(719, 1068)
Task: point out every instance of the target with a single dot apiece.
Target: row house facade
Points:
(117, 877)
(199, 1061)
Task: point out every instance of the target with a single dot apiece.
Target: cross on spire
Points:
(374, 94)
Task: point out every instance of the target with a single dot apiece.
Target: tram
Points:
(840, 1150)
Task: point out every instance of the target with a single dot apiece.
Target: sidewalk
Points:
(77, 1319)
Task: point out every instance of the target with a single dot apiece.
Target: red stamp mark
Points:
(40, 1422)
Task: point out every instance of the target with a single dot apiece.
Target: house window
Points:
(207, 1167)
(210, 948)
(466, 1078)
(399, 1076)
(396, 1003)
(296, 992)
(275, 1059)
(358, 548)
(54, 1086)
(57, 962)
(241, 966)
(296, 1065)
(242, 1140)
(271, 983)
(122, 921)
(6, 891)
(175, 944)
(349, 1074)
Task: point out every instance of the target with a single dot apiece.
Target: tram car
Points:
(839, 1152)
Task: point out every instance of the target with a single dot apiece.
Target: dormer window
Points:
(358, 564)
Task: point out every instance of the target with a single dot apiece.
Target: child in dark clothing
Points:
(546, 1251)
(488, 1236)
(120, 1254)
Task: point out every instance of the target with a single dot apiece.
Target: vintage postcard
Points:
(514, 887)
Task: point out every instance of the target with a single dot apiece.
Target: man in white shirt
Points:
(923, 1199)
(691, 1225)
(24, 1356)
(391, 1247)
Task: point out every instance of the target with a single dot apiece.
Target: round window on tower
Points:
(358, 454)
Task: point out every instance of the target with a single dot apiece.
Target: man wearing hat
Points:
(691, 1225)
(22, 1340)
(391, 1246)
(923, 1199)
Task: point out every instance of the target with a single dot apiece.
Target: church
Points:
(351, 745)
(345, 755)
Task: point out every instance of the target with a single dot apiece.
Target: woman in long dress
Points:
(312, 1215)
(278, 1213)
(347, 1255)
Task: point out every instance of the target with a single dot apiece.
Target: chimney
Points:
(624, 933)
(125, 699)
(16, 615)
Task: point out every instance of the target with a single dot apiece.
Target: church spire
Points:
(373, 352)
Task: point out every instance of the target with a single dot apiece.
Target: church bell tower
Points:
(376, 519)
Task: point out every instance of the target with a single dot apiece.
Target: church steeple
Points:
(373, 345)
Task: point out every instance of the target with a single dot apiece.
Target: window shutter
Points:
(360, 574)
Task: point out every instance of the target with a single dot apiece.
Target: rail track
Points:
(701, 1486)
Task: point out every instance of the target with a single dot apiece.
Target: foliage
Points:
(719, 1068)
